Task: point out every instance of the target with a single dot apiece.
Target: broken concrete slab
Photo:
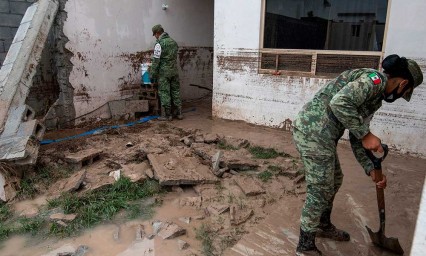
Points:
(187, 140)
(70, 184)
(235, 142)
(211, 138)
(63, 249)
(217, 209)
(83, 158)
(171, 230)
(185, 220)
(149, 173)
(235, 159)
(170, 169)
(9, 185)
(195, 201)
(205, 151)
(135, 172)
(62, 217)
(199, 138)
(208, 192)
(156, 226)
(182, 245)
(239, 216)
(21, 141)
(249, 185)
(144, 247)
(216, 162)
(239, 160)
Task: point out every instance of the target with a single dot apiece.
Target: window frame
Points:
(314, 53)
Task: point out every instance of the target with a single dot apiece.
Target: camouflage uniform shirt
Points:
(164, 63)
(347, 102)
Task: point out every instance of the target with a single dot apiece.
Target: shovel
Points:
(379, 238)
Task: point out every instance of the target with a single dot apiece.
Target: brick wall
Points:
(11, 13)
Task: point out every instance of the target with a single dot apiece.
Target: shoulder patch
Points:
(375, 78)
(157, 51)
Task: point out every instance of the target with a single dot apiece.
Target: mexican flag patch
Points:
(376, 78)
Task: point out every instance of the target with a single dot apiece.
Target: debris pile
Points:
(231, 183)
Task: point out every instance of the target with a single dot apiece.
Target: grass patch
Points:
(222, 144)
(30, 225)
(5, 231)
(265, 176)
(205, 235)
(265, 153)
(4, 212)
(41, 179)
(103, 204)
(274, 169)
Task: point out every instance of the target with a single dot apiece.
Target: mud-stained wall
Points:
(109, 39)
(241, 93)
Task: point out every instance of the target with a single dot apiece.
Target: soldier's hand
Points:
(372, 142)
(379, 183)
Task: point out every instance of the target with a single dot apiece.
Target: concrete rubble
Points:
(170, 169)
(83, 158)
(249, 185)
(73, 183)
(217, 209)
(195, 201)
(170, 230)
(182, 245)
(20, 132)
(62, 217)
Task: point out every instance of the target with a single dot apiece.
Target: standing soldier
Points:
(164, 71)
(347, 102)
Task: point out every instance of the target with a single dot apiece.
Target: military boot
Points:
(327, 230)
(165, 114)
(306, 246)
(178, 113)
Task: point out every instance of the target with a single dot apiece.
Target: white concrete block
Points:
(21, 32)
(29, 14)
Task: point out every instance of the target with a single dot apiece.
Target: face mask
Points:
(394, 95)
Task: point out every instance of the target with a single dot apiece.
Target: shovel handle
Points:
(381, 200)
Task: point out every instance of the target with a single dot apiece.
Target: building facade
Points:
(310, 42)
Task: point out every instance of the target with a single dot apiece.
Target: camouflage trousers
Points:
(323, 176)
(169, 91)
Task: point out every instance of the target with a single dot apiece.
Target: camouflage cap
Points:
(157, 28)
(417, 75)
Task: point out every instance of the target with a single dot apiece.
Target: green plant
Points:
(265, 176)
(5, 231)
(265, 153)
(274, 169)
(30, 225)
(4, 212)
(222, 144)
(103, 204)
(205, 235)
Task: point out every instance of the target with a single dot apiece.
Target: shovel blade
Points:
(391, 244)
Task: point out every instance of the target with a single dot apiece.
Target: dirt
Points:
(264, 222)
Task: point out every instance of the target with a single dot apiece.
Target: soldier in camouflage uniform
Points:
(347, 102)
(164, 70)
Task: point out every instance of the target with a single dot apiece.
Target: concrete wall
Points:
(240, 93)
(11, 13)
(109, 39)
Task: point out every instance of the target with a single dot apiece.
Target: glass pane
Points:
(325, 24)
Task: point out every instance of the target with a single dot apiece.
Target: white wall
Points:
(104, 34)
(240, 93)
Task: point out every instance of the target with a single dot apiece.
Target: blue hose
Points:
(99, 130)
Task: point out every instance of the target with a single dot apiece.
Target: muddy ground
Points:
(261, 221)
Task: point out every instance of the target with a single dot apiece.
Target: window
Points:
(322, 37)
